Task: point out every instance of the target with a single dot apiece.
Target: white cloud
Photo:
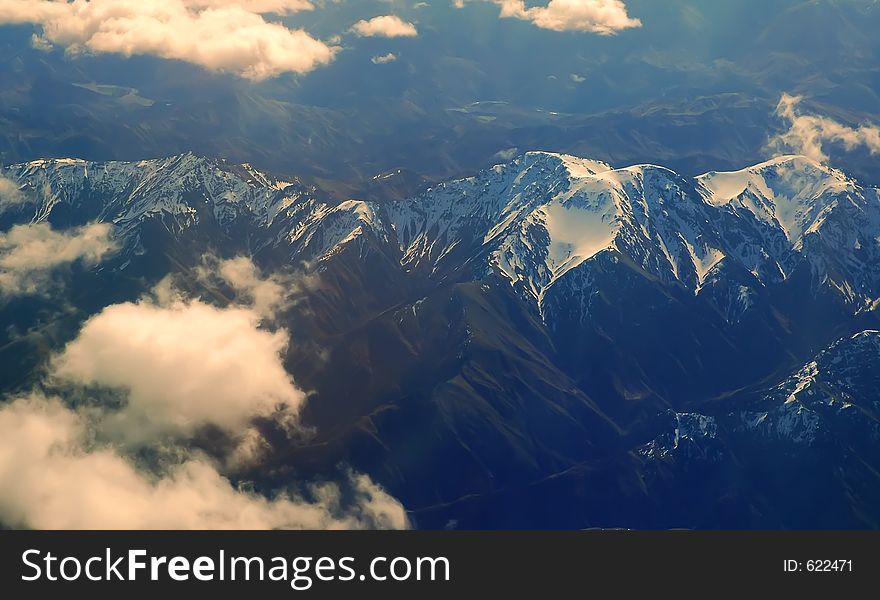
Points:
(52, 476)
(222, 36)
(506, 154)
(183, 365)
(384, 59)
(385, 26)
(604, 17)
(266, 295)
(808, 134)
(30, 253)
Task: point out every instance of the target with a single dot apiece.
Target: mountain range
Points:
(552, 342)
(694, 89)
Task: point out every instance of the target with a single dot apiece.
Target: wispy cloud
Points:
(225, 36)
(810, 134)
(277, 7)
(10, 192)
(30, 254)
(506, 154)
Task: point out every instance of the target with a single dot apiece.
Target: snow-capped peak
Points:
(133, 190)
(543, 214)
(576, 166)
(788, 192)
(533, 220)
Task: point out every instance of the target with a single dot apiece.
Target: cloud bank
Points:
(53, 477)
(29, 254)
(178, 365)
(809, 134)
(388, 26)
(266, 295)
(605, 17)
(183, 365)
(232, 37)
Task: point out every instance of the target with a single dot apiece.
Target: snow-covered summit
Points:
(543, 215)
(128, 192)
(788, 192)
(539, 221)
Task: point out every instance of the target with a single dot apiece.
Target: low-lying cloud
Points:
(233, 37)
(144, 379)
(389, 26)
(30, 254)
(52, 476)
(183, 365)
(605, 17)
(810, 134)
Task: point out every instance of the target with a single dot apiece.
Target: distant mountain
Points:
(693, 89)
(551, 342)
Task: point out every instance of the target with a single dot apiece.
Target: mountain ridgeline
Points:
(553, 342)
